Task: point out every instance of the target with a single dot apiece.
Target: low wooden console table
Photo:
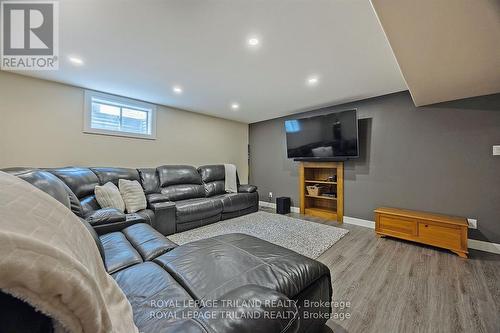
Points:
(433, 229)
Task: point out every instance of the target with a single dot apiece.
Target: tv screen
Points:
(330, 136)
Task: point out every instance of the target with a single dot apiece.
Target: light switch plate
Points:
(496, 150)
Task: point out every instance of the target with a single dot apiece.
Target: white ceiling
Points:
(141, 49)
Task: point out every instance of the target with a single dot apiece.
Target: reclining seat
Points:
(233, 204)
(182, 184)
(82, 182)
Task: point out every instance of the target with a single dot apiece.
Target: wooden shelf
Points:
(320, 182)
(320, 197)
(330, 208)
(321, 212)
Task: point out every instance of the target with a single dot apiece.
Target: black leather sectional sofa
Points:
(172, 288)
(179, 197)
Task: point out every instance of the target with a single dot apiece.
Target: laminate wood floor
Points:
(398, 286)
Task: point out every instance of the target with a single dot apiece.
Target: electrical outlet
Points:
(472, 223)
(496, 150)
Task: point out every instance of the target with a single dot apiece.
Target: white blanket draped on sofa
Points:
(230, 182)
(50, 260)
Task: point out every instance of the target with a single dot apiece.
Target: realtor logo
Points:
(29, 32)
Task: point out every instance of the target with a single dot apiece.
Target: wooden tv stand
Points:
(443, 231)
(319, 173)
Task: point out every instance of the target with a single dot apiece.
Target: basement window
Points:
(112, 115)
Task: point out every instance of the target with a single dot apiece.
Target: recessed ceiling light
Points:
(312, 80)
(253, 41)
(177, 90)
(76, 61)
(235, 106)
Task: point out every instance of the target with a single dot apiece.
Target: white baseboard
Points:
(359, 222)
(484, 246)
(472, 243)
(267, 204)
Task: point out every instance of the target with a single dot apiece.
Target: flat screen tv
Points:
(328, 137)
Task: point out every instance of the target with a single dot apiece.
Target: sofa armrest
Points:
(105, 216)
(252, 308)
(130, 219)
(247, 188)
(164, 220)
(110, 219)
(156, 198)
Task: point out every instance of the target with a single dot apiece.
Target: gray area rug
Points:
(307, 238)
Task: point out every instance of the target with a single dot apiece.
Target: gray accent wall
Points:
(434, 158)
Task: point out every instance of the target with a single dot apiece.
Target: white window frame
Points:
(119, 101)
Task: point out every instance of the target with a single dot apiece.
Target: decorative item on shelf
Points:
(332, 178)
(315, 190)
(330, 194)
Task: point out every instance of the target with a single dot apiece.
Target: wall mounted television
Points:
(328, 137)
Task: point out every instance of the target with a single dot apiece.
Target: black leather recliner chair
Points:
(183, 185)
(246, 201)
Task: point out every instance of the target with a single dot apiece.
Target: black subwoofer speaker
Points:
(283, 205)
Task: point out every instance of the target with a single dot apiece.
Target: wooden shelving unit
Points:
(323, 206)
(324, 197)
(319, 182)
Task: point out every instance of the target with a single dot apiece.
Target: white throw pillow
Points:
(132, 194)
(108, 196)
